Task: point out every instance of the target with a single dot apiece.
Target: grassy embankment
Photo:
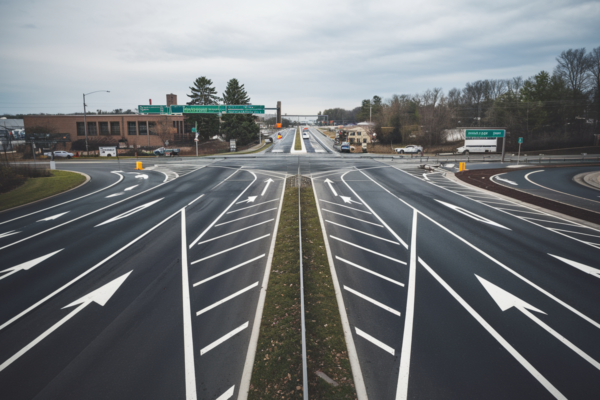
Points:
(298, 140)
(277, 369)
(39, 188)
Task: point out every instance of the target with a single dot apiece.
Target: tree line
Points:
(558, 108)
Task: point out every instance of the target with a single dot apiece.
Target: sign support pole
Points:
(196, 139)
(503, 147)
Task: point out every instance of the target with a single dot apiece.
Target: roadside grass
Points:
(277, 371)
(39, 188)
(298, 140)
(326, 345)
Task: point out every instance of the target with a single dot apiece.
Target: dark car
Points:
(345, 147)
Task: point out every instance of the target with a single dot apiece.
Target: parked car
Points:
(59, 153)
(410, 149)
(305, 136)
(345, 148)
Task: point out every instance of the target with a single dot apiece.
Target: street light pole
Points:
(85, 120)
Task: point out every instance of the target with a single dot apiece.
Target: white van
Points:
(478, 146)
(108, 151)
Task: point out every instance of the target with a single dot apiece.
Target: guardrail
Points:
(468, 159)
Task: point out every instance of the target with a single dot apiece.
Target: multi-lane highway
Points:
(150, 284)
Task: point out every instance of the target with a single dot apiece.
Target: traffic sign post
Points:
(519, 154)
(195, 130)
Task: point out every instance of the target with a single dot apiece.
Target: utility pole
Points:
(370, 109)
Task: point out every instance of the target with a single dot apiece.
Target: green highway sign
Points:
(201, 109)
(484, 133)
(176, 109)
(153, 109)
(520, 140)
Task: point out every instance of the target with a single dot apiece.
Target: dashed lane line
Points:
(231, 248)
(372, 301)
(228, 270)
(347, 216)
(376, 342)
(223, 339)
(247, 216)
(369, 250)
(255, 205)
(341, 205)
(226, 299)
(239, 230)
(369, 271)
(364, 233)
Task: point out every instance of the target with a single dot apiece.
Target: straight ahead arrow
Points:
(5, 234)
(265, 189)
(507, 300)
(27, 265)
(52, 217)
(100, 296)
(588, 270)
(331, 186)
(130, 187)
(142, 176)
(250, 199)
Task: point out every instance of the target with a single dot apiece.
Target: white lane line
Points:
(341, 205)
(577, 233)
(545, 220)
(376, 342)
(425, 176)
(402, 389)
(115, 195)
(69, 201)
(226, 299)
(9, 233)
(247, 216)
(130, 188)
(369, 250)
(347, 216)
(16, 317)
(364, 233)
(193, 201)
(239, 230)
(229, 249)
(255, 205)
(228, 394)
(53, 217)
(530, 368)
(224, 180)
(554, 190)
(369, 271)
(224, 338)
(520, 211)
(130, 212)
(188, 338)
(373, 301)
(224, 211)
(228, 270)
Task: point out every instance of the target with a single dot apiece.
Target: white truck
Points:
(107, 151)
(478, 146)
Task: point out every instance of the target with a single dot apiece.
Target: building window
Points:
(142, 127)
(104, 128)
(92, 129)
(131, 129)
(115, 128)
(365, 140)
(152, 127)
(80, 129)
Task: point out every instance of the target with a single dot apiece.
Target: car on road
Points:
(410, 149)
(60, 153)
(345, 148)
(305, 136)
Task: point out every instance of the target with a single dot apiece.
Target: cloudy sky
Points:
(311, 55)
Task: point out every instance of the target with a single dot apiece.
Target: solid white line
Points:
(376, 342)
(228, 270)
(545, 220)
(223, 213)
(255, 205)
(402, 390)
(247, 216)
(425, 176)
(578, 233)
(69, 201)
(347, 216)
(554, 190)
(530, 368)
(364, 233)
(227, 395)
(359, 383)
(188, 338)
(226, 299)
(253, 344)
(231, 233)
(370, 272)
(193, 201)
(224, 338)
(13, 319)
(223, 181)
(229, 249)
(369, 250)
(520, 211)
(373, 301)
(341, 205)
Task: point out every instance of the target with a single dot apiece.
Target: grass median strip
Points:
(39, 188)
(298, 140)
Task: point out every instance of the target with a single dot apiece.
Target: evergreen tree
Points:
(238, 126)
(203, 94)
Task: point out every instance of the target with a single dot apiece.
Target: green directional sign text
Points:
(153, 109)
(209, 109)
(484, 133)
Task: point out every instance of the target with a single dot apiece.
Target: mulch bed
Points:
(481, 179)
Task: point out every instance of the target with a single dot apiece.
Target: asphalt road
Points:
(134, 287)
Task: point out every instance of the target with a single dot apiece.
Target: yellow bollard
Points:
(138, 165)
(461, 166)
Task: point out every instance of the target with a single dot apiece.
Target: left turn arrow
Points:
(99, 296)
(27, 265)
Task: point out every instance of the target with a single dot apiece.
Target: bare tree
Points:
(573, 67)
(594, 72)
(164, 130)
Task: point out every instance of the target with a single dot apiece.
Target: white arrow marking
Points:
(330, 186)
(268, 183)
(588, 270)
(142, 176)
(100, 296)
(5, 234)
(27, 265)
(115, 195)
(53, 217)
(505, 180)
(130, 212)
(506, 300)
(349, 200)
(131, 187)
(250, 199)
(472, 215)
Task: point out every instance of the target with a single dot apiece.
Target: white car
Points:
(410, 149)
(60, 153)
(305, 136)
